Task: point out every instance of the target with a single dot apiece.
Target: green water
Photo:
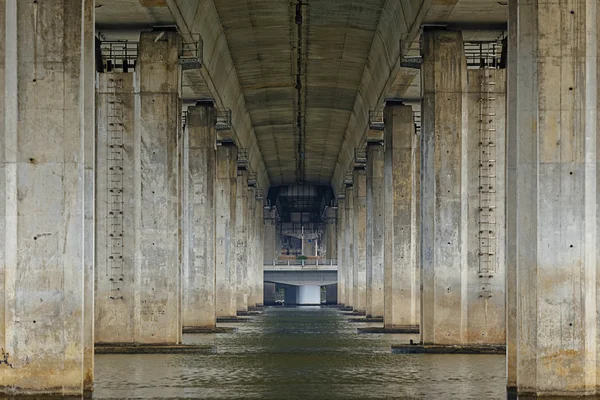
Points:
(300, 353)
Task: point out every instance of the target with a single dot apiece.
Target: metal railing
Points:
(302, 263)
(119, 55)
(417, 121)
(483, 54)
(376, 120)
(242, 158)
(223, 119)
(190, 56)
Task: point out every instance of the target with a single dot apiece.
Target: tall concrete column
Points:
(349, 250)
(375, 227)
(402, 295)
(341, 241)
(253, 248)
(462, 197)
(137, 205)
(259, 263)
(270, 250)
(242, 261)
(360, 240)
(331, 234)
(226, 191)
(199, 173)
(46, 160)
(552, 176)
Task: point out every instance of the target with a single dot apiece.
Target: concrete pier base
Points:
(124, 348)
(390, 330)
(448, 349)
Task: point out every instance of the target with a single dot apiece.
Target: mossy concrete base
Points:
(130, 348)
(367, 319)
(208, 329)
(448, 349)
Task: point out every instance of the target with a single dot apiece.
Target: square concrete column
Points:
(401, 225)
(225, 229)
(258, 267)
(331, 235)
(349, 250)
(552, 221)
(137, 209)
(462, 197)
(270, 250)
(375, 227)
(341, 242)
(242, 225)
(46, 202)
(199, 174)
(252, 247)
(360, 239)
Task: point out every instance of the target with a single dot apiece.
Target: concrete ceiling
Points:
(349, 64)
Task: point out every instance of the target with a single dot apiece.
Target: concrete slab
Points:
(448, 349)
(119, 348)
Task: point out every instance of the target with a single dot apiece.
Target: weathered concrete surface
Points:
(225, 229)
(242, 225)
(349, 250)
(137, 300)
(360, 240)
(199, 174)
(257, 268)
(463, 197)
(46, 152)
(341, 241)
(554, 172)
(253, 248)
(270, 247)
(331, 244)
(375, 227)
(269, 293)
(401, 230)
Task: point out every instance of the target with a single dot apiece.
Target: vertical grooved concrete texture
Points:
(259, 259)
(199, 174)
(140, 301)
(46, 156)
(401, 225)
(349, 251)
(462, 207)
(242, 225)
(342, 244)
(225, 229)
(553, 171)
(375, 227)
(330, 234)
(360, 239)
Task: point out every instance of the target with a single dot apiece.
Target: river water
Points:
(300, 353)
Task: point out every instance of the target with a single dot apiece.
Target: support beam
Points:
(375, 227)
(552, 171)
(226, 186)
(342, 244)
(462, 197)
(349, 250)
(401, 226)
(242, 225)
(360, 239)
(199, 174)
(46, 160)
(137, 208)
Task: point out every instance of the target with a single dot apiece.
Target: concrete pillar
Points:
(341, 241)
(253, 248)
(360, 239)
(401, 225)
(226, 191)
(46, 160)
(349, 250)
(462, 197)
(375, 227)
(309, 295)
(259, 259)
(199, 173)
(269, 294)
(553, 198)
(270, 248)
(331, 292)
(137, 205)
(331, 235)
(242, 261)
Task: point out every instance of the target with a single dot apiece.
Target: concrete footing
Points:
(154, 349)
(208, 329)
(233, 319)
(448, 349)
(395, 329)
(366, 319)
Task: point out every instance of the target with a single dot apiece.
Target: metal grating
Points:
(411, 55)
(190, 56)
(376, 120)
(223, 119)
(242, 158)
(417, 121)
(484, 54)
